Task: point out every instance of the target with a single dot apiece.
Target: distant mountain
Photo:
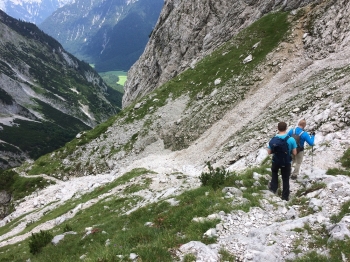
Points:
(47, 95)
(30, 10)
(110, 34)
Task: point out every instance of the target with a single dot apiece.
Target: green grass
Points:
(127, 233)
(115, 79)
(41, 138)
(172, 225)
(337, 171)
(345, 159)
(226, 256)
(71, 204)
(122, 80)
(302, 201)
(48, 164)
(19, 186)
(345, 210)
(338, 250)
(138, 187)
(224, 63)
(345, 163)
(314, 187)
(311, 257)
(53, 78)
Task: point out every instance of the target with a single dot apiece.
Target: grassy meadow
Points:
(115, 79)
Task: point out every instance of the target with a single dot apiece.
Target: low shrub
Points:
(345, 159)
(39, 240)
(67, 228)
(215, 177)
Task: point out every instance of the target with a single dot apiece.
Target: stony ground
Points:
(251, 236)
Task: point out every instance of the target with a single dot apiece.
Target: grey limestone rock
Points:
(192, 29)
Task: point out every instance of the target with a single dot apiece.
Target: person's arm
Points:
(310, 139)
(294, 151)
(269, 150)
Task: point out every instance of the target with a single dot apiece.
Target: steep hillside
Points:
(109, 34)
(132, 188)
(180, 39)
(31, 11)
(47, 96)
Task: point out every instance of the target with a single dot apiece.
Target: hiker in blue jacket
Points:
(304, 137)
(281, 146)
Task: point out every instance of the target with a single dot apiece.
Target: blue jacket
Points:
(305, 137)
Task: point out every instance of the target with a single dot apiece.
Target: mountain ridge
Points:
(33, 93)
(31, 11)
(109, 34)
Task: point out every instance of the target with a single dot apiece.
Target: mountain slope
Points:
(180, 39)
(45, 93)
(109, 34)
(145, 164)
(31, 11)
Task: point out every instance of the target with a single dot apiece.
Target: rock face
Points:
(5, 199)
(329, 32)
(188, 30)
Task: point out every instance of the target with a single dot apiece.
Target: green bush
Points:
(7, 179)
(19, 186)
(345, 159)
(215, 177)
(67, 228)
(39, 240)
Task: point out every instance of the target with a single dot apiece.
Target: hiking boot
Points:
(285, 198)
(270, 189)
(293, 177)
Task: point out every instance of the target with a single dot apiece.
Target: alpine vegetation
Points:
(182, 172)
(47, 96)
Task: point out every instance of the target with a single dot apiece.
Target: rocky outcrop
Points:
(186, 31)
(5, 199)
(328, 29)
(269, 232)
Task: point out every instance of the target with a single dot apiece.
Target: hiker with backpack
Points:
(300, 136)
(281, 146)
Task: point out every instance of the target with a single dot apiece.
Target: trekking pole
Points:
(312, 159)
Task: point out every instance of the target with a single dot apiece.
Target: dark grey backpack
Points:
(297, 139)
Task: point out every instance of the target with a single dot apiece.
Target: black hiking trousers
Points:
(285, 172)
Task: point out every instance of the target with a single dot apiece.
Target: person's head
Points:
(302, 123)
(282, 126)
